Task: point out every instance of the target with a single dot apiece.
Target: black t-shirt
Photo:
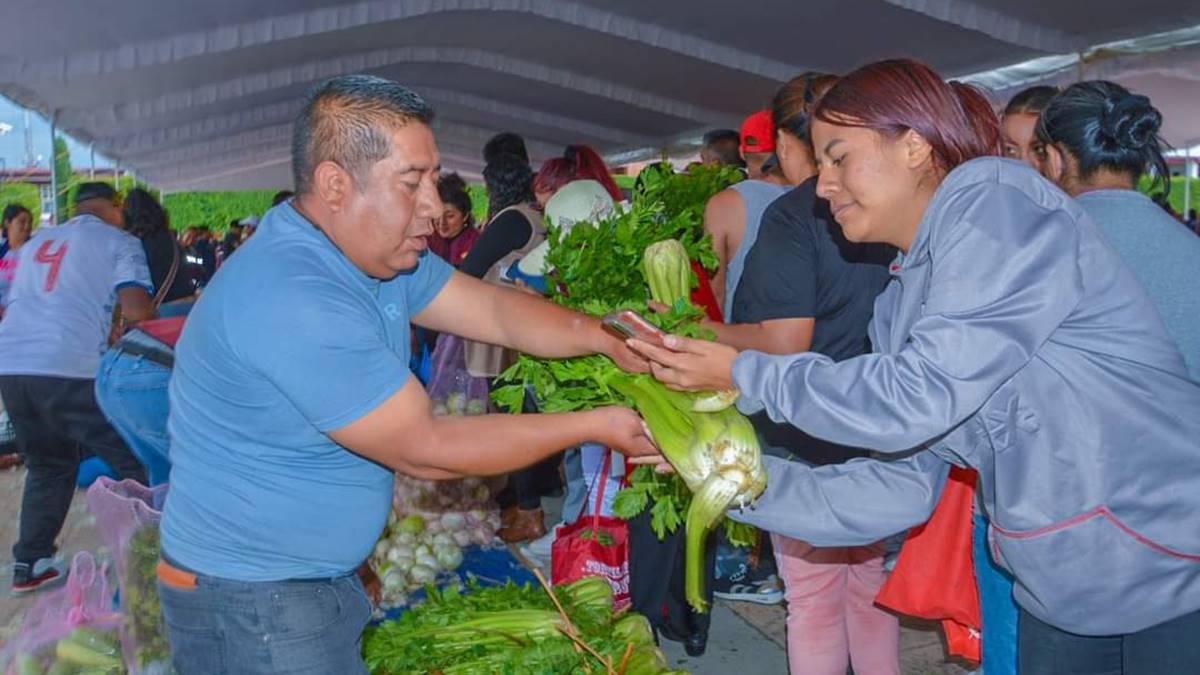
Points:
(158, 247)
(207, 253)
(506, 233)
(801, 266)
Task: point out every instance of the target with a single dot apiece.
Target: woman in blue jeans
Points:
(131, 388)
(131, 385)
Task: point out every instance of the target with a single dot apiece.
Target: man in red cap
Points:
(734, 213)
(758, 144)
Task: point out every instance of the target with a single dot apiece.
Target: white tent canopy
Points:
(196, 95)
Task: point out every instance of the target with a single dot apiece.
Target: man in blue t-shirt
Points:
(292, 404)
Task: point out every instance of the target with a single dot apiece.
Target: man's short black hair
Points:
(346, 120)
(94, 190)
(506, 143)
(721, 136)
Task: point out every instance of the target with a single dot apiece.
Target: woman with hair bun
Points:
(1099, 140)
(1012, 340)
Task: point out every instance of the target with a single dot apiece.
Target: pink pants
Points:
(832, 618)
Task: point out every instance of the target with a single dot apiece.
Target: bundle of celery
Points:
(622, 262)
(515, 629)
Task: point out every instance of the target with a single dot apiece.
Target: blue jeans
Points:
(132, 392)
(997, 607)
(223, 627)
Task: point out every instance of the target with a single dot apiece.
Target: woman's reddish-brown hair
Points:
(578, 162)
(893, 96)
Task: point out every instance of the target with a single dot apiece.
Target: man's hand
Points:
(625, 358)
(689, 365)
(622, 430)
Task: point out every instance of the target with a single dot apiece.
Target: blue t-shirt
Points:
(288, 343)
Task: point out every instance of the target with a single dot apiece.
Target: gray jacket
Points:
(1013, 340)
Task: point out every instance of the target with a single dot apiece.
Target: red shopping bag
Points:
(594, 547)
(935, 574)
(703, 296)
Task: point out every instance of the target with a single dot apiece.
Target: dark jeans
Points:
(1168, 648)
(656, 581)
(223, 627)
(54, 419)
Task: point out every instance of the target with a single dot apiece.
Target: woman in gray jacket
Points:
(1012, 339)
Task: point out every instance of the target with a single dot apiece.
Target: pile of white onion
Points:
(431, 522)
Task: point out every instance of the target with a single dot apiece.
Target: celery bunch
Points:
(623, 261)
(716, 454)
(513, 629)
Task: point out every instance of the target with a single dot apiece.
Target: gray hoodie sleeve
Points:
(850, 504)
(1000, 281)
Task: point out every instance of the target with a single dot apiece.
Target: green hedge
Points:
(216, 209)
(1176, 195)
(25, 194)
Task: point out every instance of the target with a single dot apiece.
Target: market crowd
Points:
(909, 284)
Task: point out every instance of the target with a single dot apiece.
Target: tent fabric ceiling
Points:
(201, 95)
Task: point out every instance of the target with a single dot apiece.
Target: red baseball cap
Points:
(758, 132)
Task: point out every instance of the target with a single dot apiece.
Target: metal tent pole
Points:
(1187, 183)
(53, 165)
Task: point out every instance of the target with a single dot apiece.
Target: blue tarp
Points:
(488, 566)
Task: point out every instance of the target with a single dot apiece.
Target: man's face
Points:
(387, 221)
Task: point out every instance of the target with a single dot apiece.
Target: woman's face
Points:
(1020, 139)
(452, 222)
(19, 229)
(542, 196)
(876, 186)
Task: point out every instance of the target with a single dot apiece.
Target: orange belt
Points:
(174, 577)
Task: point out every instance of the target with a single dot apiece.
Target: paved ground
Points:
(745, 638)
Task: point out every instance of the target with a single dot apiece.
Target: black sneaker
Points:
(764, 592)
(747, 574)
(29, 577)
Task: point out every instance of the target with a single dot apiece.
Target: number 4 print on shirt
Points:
(53, 259)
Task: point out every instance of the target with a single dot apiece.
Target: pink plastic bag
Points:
(69, 624)
(127, 516)
(452, 389)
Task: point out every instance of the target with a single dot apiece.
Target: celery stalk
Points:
(708, 506)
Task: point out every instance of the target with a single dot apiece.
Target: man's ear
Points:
(332, 184)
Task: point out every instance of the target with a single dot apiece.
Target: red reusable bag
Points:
(935, 574)
(702, 295)
(594, 547)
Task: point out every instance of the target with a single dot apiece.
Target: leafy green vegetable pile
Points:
(518, 630)
(598, 268)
